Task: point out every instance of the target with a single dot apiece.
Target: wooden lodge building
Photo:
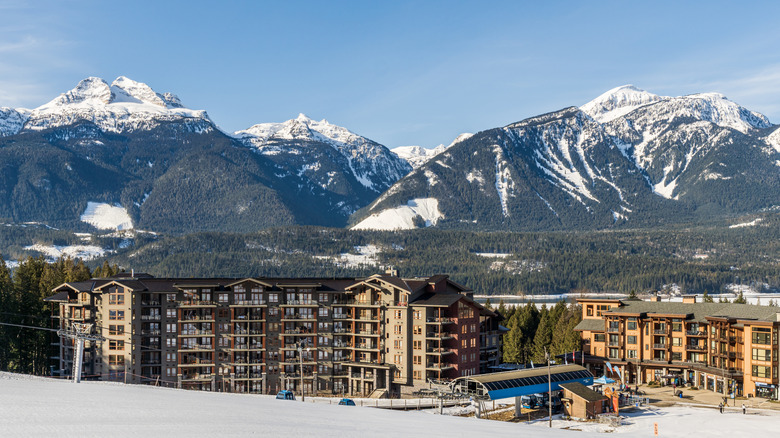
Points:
(722, 347)
(377, 336)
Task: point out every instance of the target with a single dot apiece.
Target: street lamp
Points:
(300, 359)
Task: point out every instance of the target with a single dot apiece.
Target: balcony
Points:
(690, 347)
(150, 332)
(613, 329)
(298, 316)
(438, 335)
(613, 344)
(439, 351)
(433, 320)
(300, 303)
(196, 333)
(661, 332)
(197, 303)
(186, 318)
(152, 317)
(150, 303)
(696, 333)
(248, 303)
(660, 346)
(248, 317)
(197, 377)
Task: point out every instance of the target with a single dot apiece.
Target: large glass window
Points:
(762, 336)
(761, 354)
(631, 340)
(631, 324)
(762, 371)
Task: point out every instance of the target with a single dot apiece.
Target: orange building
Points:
(722, 347)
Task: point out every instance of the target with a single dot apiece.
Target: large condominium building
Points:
(382, 335)
(726, 348)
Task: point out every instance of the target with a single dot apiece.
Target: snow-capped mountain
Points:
(416, 156)
(170, 169)
(123, 106)
(627, 157)
(328, 157)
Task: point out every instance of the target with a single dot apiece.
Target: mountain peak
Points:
(618, 102)
(91, 89)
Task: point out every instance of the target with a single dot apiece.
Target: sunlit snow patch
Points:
(107, 217)
(752, 223)
(54, 252)
(403, 216)
(365, 256)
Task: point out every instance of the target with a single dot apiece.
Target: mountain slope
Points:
(173, 170)
(627, 158)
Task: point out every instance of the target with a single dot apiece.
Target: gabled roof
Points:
(58, 297)
(133, 285)
(253, 280)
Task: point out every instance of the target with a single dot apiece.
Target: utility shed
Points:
(579, 401)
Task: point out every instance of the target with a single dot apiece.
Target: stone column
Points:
(265, 383)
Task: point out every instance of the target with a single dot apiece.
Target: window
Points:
(171, 298)
(417, 360)
(676, 325)
(222, 313)
(273, 298)
(170, 371)
(631, 354)
(417, 314)
(323, 311)
(676, 356)
(473, 328)
(222, 298)
(397, 358)
(397, 314)
(205, 295)
(397, 329)
(398, 343)
(116, 345)
(762, 371)
(631, 324)
(116, 315)
(170, 328)
(116, 296)
(323, 298)
(417, 345)
(170, 342)
(170, 313)
(417, 330)
(116, 330)
(599, 337)
(463, 343)
(116, 359)
(677, 342)
(614, 353)
(631, 340)
(273, 311)
(601, 308)
(464, 329)
(762, 336)
(761, 354)
(417, 375)
(170, 357)
(473, 342)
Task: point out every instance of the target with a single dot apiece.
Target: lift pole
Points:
(80, 333)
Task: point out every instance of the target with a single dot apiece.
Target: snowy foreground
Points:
(32, 406)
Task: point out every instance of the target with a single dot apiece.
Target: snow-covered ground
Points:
(403, 216)
(40, 407)
(53, 252)
(362, 256)
(106, 216)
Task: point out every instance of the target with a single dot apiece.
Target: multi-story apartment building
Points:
(382, 334)
(726, 348)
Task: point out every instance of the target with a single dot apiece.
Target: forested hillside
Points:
(696, 259)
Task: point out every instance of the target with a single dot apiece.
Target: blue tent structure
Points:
(517, 383)
(603, 380)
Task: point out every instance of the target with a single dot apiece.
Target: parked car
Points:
(285, 395)
(347, 402)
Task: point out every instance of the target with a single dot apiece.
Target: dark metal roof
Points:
(528, 381)
(583, 391)
(59, 296)
(437, 299)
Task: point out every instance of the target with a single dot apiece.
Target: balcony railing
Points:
(660, 346)
(153, 317)
(695, 347)
(696, 333)
(613, 329)
(661, 332)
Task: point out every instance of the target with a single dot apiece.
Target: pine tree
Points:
(740, 299)
(7, 308)
(706, 297)
(543, 336)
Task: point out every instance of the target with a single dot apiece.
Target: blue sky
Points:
(400, 73)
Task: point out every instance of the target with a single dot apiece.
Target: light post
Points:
(549, 385)
(300, 359)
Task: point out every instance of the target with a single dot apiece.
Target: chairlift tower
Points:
(80, 332)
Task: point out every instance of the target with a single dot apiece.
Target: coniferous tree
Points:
(7, 307)
(543, 337)
(707, 298)
(740, 299)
